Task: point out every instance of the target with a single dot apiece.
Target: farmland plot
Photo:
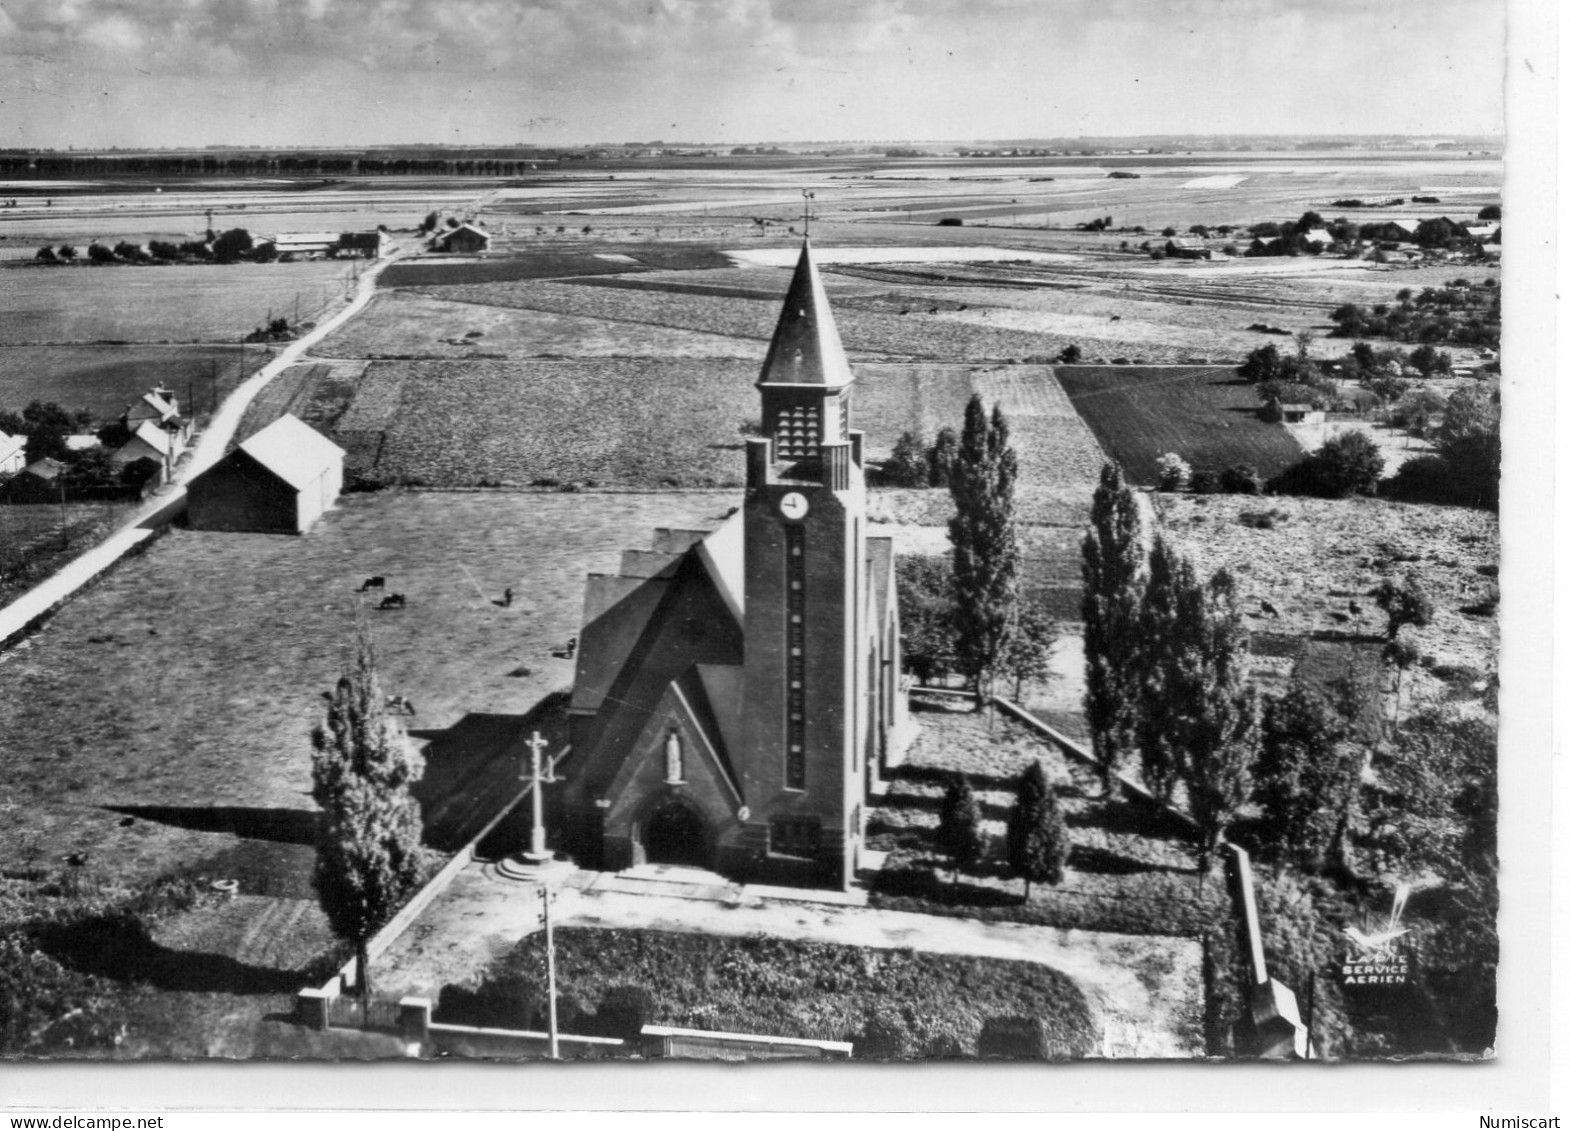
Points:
(104, 379)
(880, 334)
(176, 303)
(1206, 415)
(406, 324)
(667, 422)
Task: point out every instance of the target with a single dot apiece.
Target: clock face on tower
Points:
(793, 505)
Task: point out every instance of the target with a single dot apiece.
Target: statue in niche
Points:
(673, 758)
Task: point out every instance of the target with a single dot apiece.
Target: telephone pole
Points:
(550, 975)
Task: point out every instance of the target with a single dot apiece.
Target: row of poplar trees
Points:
(1166, 660)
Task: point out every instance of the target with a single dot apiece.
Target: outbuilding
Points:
(465, 239)
(277, 482)
(13, 454)
(38, 482)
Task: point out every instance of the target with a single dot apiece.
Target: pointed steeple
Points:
(806, 349)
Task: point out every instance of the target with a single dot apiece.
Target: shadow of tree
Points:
(282, 826)
(116, 945)
(1121, 816)
(1089, 858)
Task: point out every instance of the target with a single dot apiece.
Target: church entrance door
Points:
(674, 835)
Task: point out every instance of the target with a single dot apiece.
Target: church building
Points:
(738, 690)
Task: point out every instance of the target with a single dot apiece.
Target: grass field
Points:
(207, 655)
(105, 379)
(1206, 415)
(184, 303)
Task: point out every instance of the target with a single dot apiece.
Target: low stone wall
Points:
(702, 1044)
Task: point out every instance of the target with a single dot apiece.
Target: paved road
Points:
(170, 503)
(1146, 991)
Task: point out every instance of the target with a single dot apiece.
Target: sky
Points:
(94, 73)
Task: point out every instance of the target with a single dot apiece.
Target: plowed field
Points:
(1206, 415)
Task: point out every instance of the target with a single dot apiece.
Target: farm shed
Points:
(370, 245)
(1187, 247)
(303, 243)
(1302, 414)
(38, 482)
(13, 454)
(1318, 236)
(277, 482)
(466, 239)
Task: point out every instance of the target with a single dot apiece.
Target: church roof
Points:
(619, 609)
(806, 349)
(722, 555)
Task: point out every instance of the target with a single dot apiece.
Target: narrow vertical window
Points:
(795, 658)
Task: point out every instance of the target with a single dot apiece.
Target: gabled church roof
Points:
(806, 349)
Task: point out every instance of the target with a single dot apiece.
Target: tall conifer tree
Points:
(959, 824)
(1221, 731)
(1165, 666)
(986, 550)
(1038, 843)
(1113, 569)
(362, 772)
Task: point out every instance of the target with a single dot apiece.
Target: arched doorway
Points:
(674, 834)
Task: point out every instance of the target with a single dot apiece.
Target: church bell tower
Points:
(806, 592)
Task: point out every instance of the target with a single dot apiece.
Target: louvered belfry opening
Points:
(797, 431)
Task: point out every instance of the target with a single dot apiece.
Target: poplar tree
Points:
(1113, 569)
(1220, 734)
(362, 772)
(1165, 668)
(986, 550)
(1038, 843)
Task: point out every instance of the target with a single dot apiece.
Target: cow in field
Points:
(567, 651)
(372, 583)
(392, 601)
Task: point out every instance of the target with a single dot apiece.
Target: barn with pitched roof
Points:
(277, 482)
(737, 695)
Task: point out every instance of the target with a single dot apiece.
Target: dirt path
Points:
(1145, 991)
